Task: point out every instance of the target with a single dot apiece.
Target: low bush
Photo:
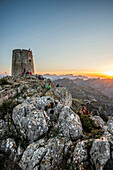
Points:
(87, 122)
(3, 81)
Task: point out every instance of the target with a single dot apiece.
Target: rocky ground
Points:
(44, 129)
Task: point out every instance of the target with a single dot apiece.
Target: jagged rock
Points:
(110, 124)
(109, 137)
(32, 122)
(0, 88)
(100, 152)
(69, 123)
(45, 155)
(44, 101)
(80, 152)
(33, 155)
(108, 131)
(20, 150)
(48, 105)
(9, 146)
(34, 114)
(3, 127)
(61, 94)
(98, 121)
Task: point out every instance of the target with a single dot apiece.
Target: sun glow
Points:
(109, 73)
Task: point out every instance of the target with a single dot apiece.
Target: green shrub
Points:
(87, 122)
(3, 81)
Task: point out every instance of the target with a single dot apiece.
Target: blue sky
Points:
(66, 36)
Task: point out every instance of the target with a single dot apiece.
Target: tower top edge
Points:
(18, 50)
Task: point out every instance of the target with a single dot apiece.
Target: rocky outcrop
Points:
(45, 155)
(50, 131)
(69, 124)
(98, 121)
(31, 121)
(9, 146)
(80, 153)
(61, 94)
(34, 117)
(110, 124)
(3, 127)
(100, 152)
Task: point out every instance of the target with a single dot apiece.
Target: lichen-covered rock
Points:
(98, 121)
(33, 155)
(44, 101)
(80, 152)
(9, 146)
(31, 121)
(0, 88)
(110, 124)
(100, 152)
(69, 124)
(3, 127)
(61, 94)
(45, 155)
(57, 149)
(109, 137)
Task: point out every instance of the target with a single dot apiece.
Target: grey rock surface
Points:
(9, 146)
(0, 88)
(100, 152)
(110, 124)
(61, 94)
(69, 123)
(45, 155)
(31, 121)
(3, 127)
(80, 152)
(98, 121)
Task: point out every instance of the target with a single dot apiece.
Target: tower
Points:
(22, 60)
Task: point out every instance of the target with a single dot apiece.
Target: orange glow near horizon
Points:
(89, 74)
(106, 74)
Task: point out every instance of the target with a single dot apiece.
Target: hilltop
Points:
(52, 129)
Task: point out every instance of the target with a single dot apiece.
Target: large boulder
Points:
(110, 124)
(33, 155)
(98, 121)
(100, 152)
(9, 146)
(3, 127)
(31, 121)
(109, 137)
(61, 94)
(0, 88)
(69, 123)
(80, 152)
(34, 116)
(45, 155)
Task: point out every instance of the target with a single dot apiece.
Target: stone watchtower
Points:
(22, 60)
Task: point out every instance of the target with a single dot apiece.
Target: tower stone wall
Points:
(22, 60)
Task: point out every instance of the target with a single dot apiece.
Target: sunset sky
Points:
(65, 36)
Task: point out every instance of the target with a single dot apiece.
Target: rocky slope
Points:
(42, 129)
(92, 98)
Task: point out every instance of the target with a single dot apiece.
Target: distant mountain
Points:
(97, 94)
(68, 76)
